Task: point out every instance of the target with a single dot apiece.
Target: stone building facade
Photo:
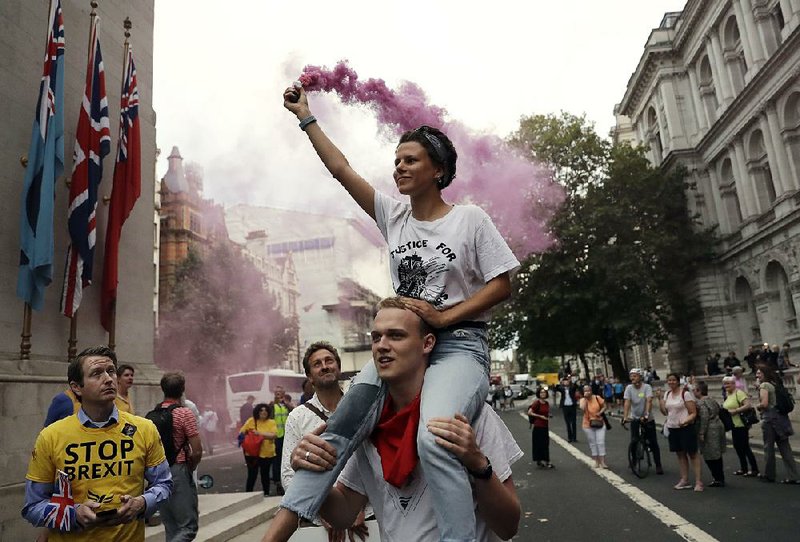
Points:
(190, 221)
(341, 265)
(27, 386)
(717, 90)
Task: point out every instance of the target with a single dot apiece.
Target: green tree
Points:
(220, 320)
(626, 248)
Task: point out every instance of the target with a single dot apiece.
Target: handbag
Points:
(749, 416)
(251, 445)
(596, 424)
(726, 419)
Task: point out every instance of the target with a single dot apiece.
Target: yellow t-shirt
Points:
(103, 464)
(125, 404)
(265, 426)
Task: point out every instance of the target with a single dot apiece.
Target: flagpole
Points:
(72, 343)
(27, 312)
(112, 331)
(25, 343)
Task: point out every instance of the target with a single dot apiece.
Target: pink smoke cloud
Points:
(518, 194)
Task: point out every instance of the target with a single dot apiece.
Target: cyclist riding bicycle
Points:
(637, 409)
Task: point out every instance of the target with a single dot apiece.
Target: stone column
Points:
(722, 216)
(773, 136)
(746, 45)
(763, 19)
(744, 184)
(722, 78)
(677, 138)
(791, 12)
(749, 34)
(699, 110)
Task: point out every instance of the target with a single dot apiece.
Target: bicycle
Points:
(640, 458)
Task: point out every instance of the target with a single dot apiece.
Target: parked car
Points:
(521, 391)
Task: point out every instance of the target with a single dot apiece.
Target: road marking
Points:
(681, 526)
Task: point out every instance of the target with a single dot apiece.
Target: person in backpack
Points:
(177, 426)
(775, 425)
(679, 406)
(107, 482)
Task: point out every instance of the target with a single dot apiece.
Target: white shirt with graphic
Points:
(443, 261)
(407, 513)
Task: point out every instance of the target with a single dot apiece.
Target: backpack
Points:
(162, 418)
(784, 402)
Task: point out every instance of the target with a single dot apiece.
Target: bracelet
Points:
(306, 121)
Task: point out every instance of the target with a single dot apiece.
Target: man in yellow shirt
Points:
(86, 476)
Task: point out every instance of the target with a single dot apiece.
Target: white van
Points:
(261, 385)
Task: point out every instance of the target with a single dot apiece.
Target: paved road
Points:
(575, 501)
(227, 468)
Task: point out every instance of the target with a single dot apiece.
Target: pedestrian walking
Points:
(710, 434)
(738, 404)
(569, 407)
(208, 428)
(177, 425)
(775, 426)
(594, 426)
(259, 446)
(539, 415)
(679, 406)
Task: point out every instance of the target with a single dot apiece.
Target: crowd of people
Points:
(695, 423)
(411, 428)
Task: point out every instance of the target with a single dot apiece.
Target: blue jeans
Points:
(459, 364)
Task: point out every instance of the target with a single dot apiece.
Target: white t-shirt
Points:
(675, 403)
(301, 420)
(407, 513)
(443, 261)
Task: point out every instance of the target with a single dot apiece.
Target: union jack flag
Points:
(59, 513)
(127, 185)
(92, 144)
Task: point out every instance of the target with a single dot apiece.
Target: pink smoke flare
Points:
(519, 195)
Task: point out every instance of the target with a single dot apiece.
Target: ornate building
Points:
(717, 90)
(188, 220)
(341, 271)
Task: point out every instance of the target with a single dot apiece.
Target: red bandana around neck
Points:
(395, 438)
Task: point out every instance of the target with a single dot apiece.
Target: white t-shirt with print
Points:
(407, 513)
(443, 261)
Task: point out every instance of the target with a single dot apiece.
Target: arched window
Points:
(734, 53)
(759, 170)
(730, 197)
(791, 129)
(708, 93)
(654, 136)
(746, 312)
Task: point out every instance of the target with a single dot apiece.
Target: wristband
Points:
(483, 474)
(306, 121)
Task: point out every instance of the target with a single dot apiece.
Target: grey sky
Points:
(220, 68)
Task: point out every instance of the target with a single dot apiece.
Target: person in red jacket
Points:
(539, 416)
